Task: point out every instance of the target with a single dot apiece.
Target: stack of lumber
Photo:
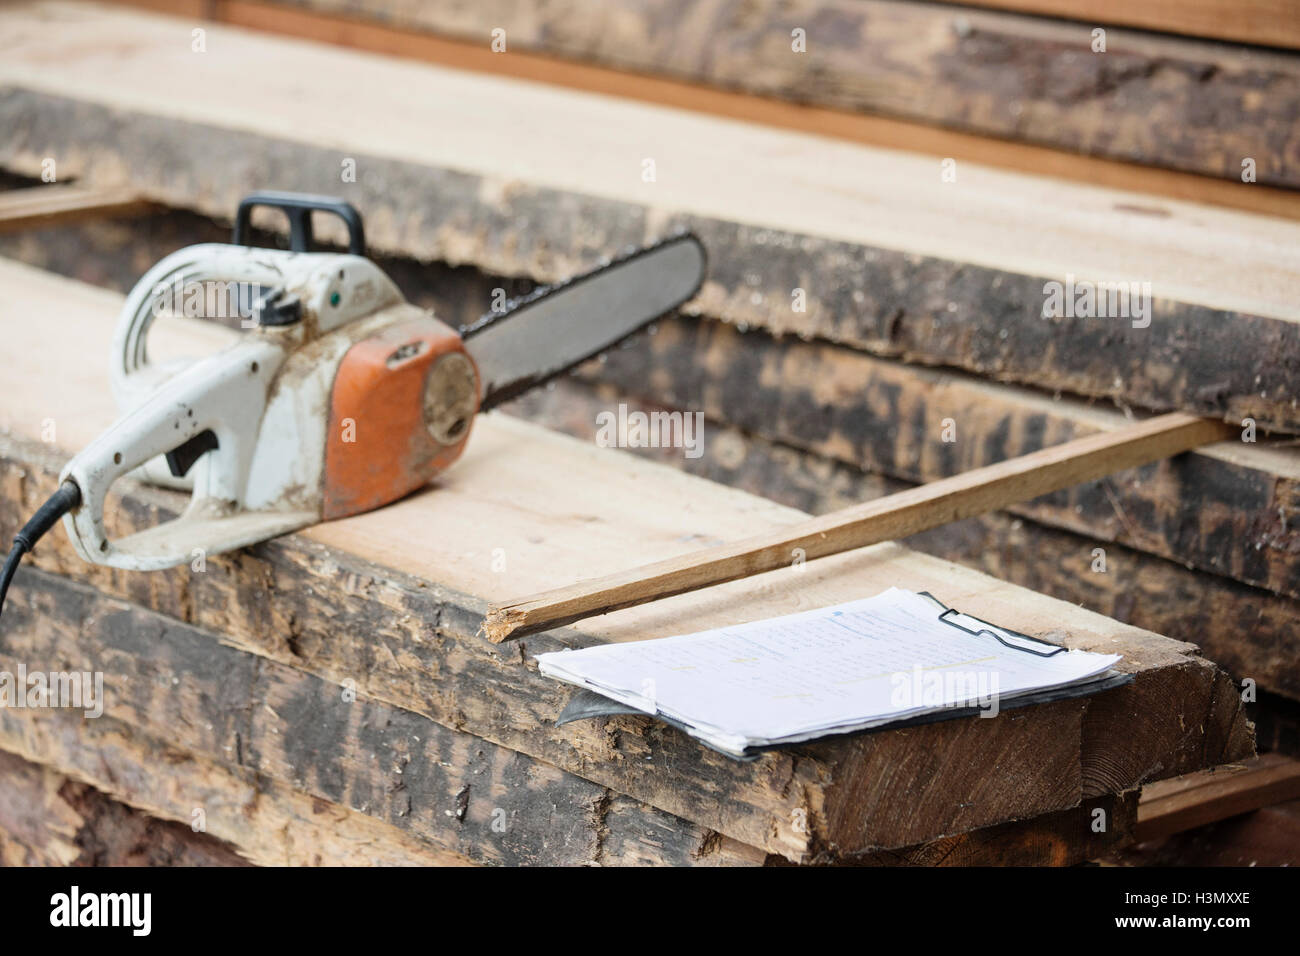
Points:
(921, 304)
(1241, 814)
(337, 673)
(1161, 108)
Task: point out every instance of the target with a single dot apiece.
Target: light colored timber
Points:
(587, 143)
(890, 83)
(888, 255)
(38, 206)
(884, 519)
(1208, 796)
(1240, 496)
(868, 129)
(1261, 22)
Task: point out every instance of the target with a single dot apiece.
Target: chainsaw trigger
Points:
(181, 458)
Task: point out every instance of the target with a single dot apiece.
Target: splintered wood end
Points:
(501, 624)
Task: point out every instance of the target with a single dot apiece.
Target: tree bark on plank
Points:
(446, 672)
(392, 601)
(1231, 509)
(459, 793)
(961, 285)
(1158, 100)
(1249, 631)
(273, 825)
(48, 819)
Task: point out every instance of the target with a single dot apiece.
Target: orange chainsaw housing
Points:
(381, 442)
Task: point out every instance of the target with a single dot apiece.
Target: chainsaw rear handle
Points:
(132, 375)
(298, 207)
(216, 406)
(251, 453)
(312, 282)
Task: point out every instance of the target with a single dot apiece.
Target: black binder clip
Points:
(988, 629)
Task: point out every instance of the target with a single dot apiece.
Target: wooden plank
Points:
(443, 670)
(1262, 22)
(1066, 838)
(268, 824)
(392, 600)
(48, 819)
(1267, 837)
(1160, 101)
(45, 822)
(443, 787)
(1249, 631)
(1207, 796)
(114, 254)
(458, 793)
(40, 206)
(868, 129)
(45, 815)
(884, 519)
(1231, 509)
(1184, 509)
(890, 259)
(37, 826)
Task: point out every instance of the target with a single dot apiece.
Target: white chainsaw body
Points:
(339, 396)
(264, 399)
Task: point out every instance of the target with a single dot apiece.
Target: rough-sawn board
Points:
(392, 600)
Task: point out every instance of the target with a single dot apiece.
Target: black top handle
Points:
(299, 207)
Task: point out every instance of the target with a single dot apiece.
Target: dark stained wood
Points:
(1207, 796)
(265, 821)
(1277, 723)
(47, 819)
(1054, 839)
(274, 825)
(1267, 837)
(1137, 715)
(228, 706)
(319, 754)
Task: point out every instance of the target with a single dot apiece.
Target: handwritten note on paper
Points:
(835, 669)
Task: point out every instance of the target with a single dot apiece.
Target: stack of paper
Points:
(833, 670)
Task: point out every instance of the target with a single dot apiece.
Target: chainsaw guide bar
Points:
(547, 332)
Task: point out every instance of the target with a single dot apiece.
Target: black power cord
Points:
(60, 503)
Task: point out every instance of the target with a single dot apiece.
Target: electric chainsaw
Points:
(341, 397)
